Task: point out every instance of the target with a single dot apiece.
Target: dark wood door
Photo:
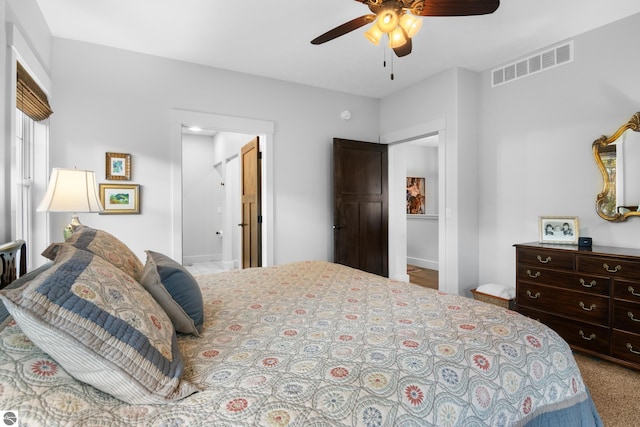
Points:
(360, 211)
(250, 185)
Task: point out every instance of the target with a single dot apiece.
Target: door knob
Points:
(241, 225)
(338, 227)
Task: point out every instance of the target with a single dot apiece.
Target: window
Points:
(29, 154)
(21, 173)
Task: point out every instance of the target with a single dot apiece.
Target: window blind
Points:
(30, 98)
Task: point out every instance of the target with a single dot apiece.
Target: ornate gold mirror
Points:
(618, 157)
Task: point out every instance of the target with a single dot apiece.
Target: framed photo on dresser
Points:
(559, 229)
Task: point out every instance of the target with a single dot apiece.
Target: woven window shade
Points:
(30, 99)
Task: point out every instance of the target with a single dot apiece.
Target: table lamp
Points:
(71, 190)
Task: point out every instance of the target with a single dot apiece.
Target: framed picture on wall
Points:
(558, 229)
(120, 198)
(416, 196)
(118, 166)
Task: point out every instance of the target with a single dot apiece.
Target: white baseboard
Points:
(424, 263)
(230, 265)
(401, 278)
(190, 259)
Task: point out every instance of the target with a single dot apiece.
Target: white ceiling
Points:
(272, 38)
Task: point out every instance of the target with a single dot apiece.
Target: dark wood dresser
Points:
(589, 297)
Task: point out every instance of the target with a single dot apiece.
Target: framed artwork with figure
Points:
(558, 229)
(416, 196)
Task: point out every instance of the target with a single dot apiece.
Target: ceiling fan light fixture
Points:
(387, 20)
(411, 24)
(397, 38)
(374, 34)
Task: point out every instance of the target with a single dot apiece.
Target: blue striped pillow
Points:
(102, 327)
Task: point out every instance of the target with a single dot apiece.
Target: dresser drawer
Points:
(626, 290)
(626, 316)
(612, 267)
(626, 346)
(544, 258)
(578, 334)
(590, 298)
(575, 281)
(577, 305)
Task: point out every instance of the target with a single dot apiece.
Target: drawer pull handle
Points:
(536, 296)
(630, 348)
(544, 261)
(633, 291)
(612, 270)
(533, 276)
(589, 338)
(630, 314)
(591, 284)
(591, 307)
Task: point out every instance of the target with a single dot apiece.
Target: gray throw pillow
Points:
(176, 290)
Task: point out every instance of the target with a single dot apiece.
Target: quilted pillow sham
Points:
(103, 244)
(175, 289)
(102, 327)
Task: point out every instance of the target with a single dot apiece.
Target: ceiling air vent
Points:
(542, 61)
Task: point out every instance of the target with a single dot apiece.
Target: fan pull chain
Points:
(384, 61)
(391, 66)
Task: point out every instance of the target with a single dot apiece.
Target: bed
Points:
(315, 344)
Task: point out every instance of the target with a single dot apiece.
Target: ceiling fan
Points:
(399, 19)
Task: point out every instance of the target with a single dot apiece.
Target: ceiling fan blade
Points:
(403, 50)
(345, 28)
(458, 7)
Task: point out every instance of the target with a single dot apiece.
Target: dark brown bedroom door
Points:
(360, 214)
(250, 187)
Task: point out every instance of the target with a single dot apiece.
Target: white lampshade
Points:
(411, 24)
(71, 190)
(397, 38)
(387, 20)
(373, 34)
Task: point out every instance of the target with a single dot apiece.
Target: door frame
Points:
(397, 198)
(262, 128)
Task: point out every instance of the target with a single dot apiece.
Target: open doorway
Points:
(211, 199)
(422, 171)
(225, 125)
(397, 142)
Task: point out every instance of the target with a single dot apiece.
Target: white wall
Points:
(535, 146)
(203, 200)
(422, 230)
(449, 98)
(112, 100)
(228, 147)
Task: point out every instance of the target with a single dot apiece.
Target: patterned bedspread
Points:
(319, 344)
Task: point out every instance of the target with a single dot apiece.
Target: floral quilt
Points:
(319, 344)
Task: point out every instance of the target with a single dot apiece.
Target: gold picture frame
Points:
(559, 229)
(118, 166)
(120, 198)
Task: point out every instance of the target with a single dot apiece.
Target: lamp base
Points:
(67, 231)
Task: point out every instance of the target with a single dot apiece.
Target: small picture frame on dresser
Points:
(559, 229)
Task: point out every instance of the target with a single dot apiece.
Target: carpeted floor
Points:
(614, 390)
